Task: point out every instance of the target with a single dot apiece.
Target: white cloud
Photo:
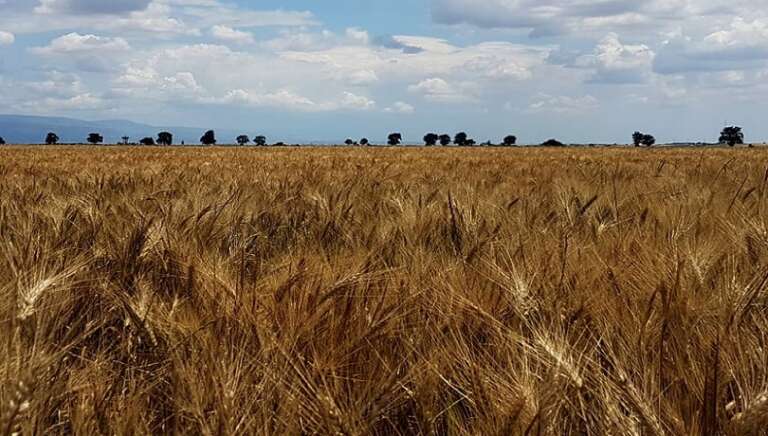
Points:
(555, 17)
(562, 104)
(356, 102)
(6, 38)
(615, 62)
(743, 45)
(427, 57)
(58, 85)
(289, 100)
(401, 108)
(74, 43)
(359, 35)
(439, 90)
(229, 34)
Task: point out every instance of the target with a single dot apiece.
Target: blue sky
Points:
(578, 70)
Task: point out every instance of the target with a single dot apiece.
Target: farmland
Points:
(383, 291)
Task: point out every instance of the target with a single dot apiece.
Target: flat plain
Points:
(383, 291)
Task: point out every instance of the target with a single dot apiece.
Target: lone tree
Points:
(125, 139)
(51, 138)
(394, 139)
(350, 142)
(461, 139)
(364, 142)
(648, 140)
(444, 139)
(147, 141)
(430, 139)
(260, 140)
(95, 138)
(209, 138)
(637, 138)
(2, 141)
(552, 143)
(510, 141)
(732, 135)
(243, 139)
(165, 138)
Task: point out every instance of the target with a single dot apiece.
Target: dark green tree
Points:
(165, 138)
(242, 140)
(445, 140)
(260, 140)
(209, 138)
(364, 142)
(637, 138)
(147, 141)
(461, 139)
(51, 138)
(732, 135)
(394, 139)
(510, 141)
(648, 140)
(430, 139)
(95, 138)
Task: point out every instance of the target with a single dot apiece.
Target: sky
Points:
(577, 70)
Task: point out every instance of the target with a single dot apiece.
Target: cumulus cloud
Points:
(428, 57)
(562, 104)
(229, 34)
(439, 90)
(289, 100)
(400, 107)
(75, 43)
(356, 102)
(743, 45)
(6, 38)
(555, 17)
(616, 62)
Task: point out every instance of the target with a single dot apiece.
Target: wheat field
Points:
(383, 291)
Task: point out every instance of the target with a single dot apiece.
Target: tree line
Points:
(731, 135)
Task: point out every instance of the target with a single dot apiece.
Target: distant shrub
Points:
(552, 143)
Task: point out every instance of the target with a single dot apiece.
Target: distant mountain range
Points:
(24, 129)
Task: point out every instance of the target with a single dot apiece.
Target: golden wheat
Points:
(383, 291)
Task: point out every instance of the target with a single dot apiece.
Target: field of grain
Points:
(383, 291)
